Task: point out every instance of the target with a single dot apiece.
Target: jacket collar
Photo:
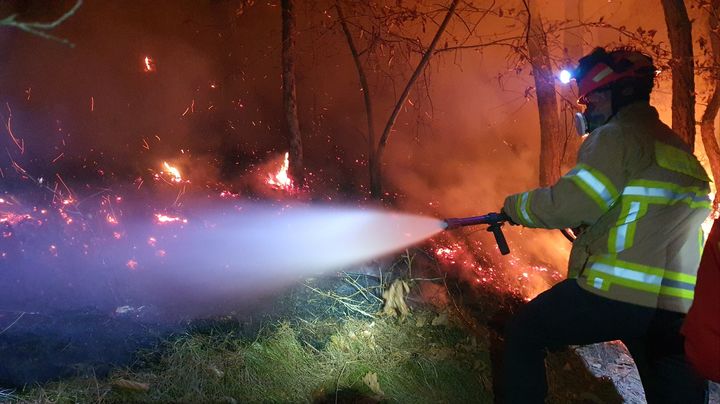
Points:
(637, 111)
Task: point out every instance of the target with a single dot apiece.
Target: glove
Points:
(507, 217)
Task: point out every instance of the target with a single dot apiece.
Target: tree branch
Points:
(363, 84)
(40, 28)
(423, 62)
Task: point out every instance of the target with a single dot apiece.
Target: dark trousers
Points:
(568, 315)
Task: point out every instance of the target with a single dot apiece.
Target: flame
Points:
(148, 64)
(280, 180)
(162, 218)
(173, 171)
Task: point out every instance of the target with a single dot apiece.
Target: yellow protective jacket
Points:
(641, 197)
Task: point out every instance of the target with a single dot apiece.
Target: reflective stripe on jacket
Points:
(641, 197)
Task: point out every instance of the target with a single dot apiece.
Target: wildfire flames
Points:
(280, 179)
(80, 227)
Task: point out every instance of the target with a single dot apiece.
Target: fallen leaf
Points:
(371, 380)
(129, 385)
(441, 319)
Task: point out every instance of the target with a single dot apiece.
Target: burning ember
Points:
(148, 64)
(162, 219)
(474, 262)
(12, 218)
(173, 172)
(280, 180)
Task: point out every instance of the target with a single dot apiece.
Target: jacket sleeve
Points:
(582, 195)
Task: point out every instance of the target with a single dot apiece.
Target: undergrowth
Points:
(381, 360)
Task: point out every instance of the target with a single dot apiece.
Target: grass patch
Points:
(412, 361)
(324, 348)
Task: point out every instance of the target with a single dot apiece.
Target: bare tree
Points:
(572, 51)
(290, 117)
(683, 76)
(550, 139)
(376, 151)
(367, 100)
(376, 186)
(707, 123)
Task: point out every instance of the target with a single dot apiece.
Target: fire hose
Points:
(495, 221)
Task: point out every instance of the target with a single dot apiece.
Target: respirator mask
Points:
(581, 126)
(598, 110)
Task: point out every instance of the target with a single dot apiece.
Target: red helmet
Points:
(617, 65)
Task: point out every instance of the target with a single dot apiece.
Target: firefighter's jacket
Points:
(641, 197)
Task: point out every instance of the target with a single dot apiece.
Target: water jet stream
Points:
(258, 244)
(213, 253)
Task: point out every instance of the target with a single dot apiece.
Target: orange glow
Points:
(161, 218)
(12, 218)
(111, 219)
(173, 171)
(280, 180)
(148, 64)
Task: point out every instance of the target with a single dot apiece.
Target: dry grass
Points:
(332, 347)
(383, 359)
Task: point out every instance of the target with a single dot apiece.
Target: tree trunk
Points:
(551, 142)
(707, 124)
(376, 167)
(573, 44)
(366, 97)
(291, 123)
(683, 75)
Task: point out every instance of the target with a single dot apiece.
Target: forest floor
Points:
(327, 339)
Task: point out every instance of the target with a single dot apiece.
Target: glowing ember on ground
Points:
(475, 262)
(161, 218)
(448, 253)
(280, 180)
(229, 194)
(12, 218)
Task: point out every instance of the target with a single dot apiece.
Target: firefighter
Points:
(640, 197)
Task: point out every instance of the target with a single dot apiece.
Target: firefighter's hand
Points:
(507, 218)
